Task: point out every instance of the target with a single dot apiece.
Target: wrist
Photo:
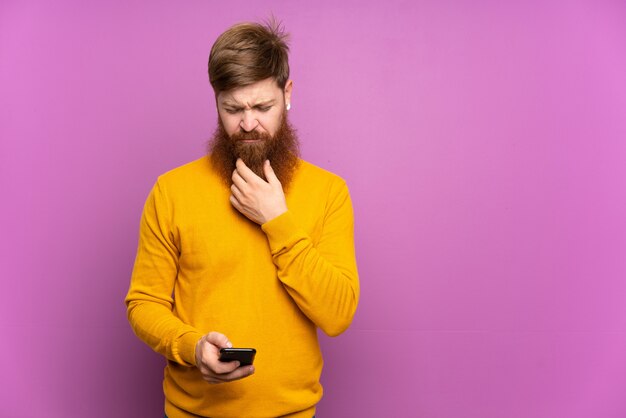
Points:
(197, 352)
(275, 214)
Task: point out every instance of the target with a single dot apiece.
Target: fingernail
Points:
(229, 345)
(251, 369)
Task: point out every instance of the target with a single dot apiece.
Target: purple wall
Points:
(484, 145)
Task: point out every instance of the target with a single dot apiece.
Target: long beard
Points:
(282, 149)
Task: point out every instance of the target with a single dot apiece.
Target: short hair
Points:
(247, 53)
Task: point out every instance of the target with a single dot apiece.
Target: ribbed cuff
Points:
(282, 232)
(185, 350)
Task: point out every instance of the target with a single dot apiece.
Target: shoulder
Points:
(310, 173)
(315, 183)
(197, 173)
(190, 180)
(190, 171)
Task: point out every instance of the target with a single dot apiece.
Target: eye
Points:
(264, 108)
(231, 111)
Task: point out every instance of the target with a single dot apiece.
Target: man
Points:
(249, 246)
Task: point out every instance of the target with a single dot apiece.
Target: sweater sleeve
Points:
(149, 300)
(322, 279)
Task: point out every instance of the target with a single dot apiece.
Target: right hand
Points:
(213, 370)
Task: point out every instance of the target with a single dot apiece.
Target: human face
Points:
(258, 107)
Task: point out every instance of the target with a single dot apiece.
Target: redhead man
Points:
(248, 246)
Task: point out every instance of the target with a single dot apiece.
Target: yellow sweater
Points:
(201, 266)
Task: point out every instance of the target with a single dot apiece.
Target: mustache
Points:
(248, 136)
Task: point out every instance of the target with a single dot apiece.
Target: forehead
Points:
(261, 91)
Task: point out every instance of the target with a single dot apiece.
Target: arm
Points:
(149, 300)
(322, 279)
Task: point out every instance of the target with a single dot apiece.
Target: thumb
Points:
(218, 340)
(269, 173)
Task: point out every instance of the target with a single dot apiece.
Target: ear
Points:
(287, 92)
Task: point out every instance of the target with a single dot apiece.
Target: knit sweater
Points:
(202, 266)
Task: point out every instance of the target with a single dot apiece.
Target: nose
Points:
(248, 121)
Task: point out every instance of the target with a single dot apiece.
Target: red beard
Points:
(281, 149)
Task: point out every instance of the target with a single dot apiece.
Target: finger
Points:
(269, 173)
(245, 172)
(237, 374)
(237, 179)
(240, 207)
(224, 367)
(235, 203)
(236, 192)
(219, 340)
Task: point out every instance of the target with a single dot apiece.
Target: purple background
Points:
(484, 146)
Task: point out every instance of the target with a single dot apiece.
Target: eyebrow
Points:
(228, 103)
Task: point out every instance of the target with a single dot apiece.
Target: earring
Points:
(288, 106)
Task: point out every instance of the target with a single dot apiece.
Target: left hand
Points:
(257, 199)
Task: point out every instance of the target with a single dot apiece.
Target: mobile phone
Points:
(245, 356)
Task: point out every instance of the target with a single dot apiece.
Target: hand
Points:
(257, 199)
(213, 370)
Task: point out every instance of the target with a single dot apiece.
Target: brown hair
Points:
(247, 53)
